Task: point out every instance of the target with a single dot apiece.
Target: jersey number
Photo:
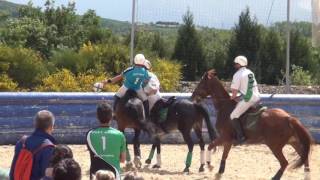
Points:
(104, 139)
(136, 81)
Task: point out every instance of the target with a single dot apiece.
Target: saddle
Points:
(251, 117)
(161, 107)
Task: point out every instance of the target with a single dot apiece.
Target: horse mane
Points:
(211, 75)
(130, 94)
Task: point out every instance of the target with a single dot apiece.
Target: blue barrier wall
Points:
(75, 113)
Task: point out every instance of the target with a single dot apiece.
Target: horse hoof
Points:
(156, 166)
(186, 170)
(129, 165)
(137, 162)
(148, 161)
(201, 169)
(221, 171)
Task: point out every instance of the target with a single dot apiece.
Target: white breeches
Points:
(243, 106)
(153, 99)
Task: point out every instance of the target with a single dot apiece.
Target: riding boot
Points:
(146, 109)
(237, 126)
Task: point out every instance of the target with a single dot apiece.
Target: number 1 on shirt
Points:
(136, 81)
(103, 143)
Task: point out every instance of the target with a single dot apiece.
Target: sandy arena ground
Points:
(244, 162)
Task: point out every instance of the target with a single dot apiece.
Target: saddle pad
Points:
(163, 115)
(251, 119)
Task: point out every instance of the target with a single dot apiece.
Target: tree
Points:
(26, 32)
(300, 51)
(272, 58)
(188, 48)
(158, 45)
(245, 41)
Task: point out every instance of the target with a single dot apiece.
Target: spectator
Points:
(133, 176)
(60, 152)
(67, 169)
(40, 143)
(107, 146)
(104, 175)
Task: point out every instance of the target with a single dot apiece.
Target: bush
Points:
(112, 58)
(87, 80)
(300, 76)
(69, 59)
(65, 81)
(24, 66)
(7, 84)
(168, 72)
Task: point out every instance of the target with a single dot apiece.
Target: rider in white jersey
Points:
(244, 82)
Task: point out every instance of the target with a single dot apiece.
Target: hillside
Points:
(9, 8)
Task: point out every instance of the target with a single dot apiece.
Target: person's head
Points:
(147, 64)
(104, 113)
(104, 175)
(133, 176)
(44, 120)
(60, 152)
(240, 61)
(67, 169)
(139, 60)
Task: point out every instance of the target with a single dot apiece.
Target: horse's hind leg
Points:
(198, 132)
(136, 149)
(187, 137)
(277, 151)
(226, 150)
(297, 147)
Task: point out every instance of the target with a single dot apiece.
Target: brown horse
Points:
(129, 113)
(275, 127)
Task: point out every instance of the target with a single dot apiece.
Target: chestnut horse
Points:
(275, 127)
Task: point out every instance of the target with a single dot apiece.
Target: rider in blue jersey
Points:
(135, 78)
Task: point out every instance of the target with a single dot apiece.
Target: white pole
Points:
(288, 50)
(132, 30)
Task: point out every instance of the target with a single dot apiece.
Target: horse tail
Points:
(204, 113)
(305, 140)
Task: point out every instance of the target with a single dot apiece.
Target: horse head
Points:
(203, 89)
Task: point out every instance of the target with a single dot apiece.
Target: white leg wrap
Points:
(202, 158)
(159, 159)
(209, 156)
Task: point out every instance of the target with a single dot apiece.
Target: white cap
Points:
(139, 59)
(242, 60)
(147, 64)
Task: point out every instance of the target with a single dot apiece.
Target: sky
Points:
(212, 13)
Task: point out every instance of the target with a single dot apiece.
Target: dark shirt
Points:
(40, 159)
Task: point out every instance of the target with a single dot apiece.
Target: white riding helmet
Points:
(242, 60)
(139, 59)
(147, 64)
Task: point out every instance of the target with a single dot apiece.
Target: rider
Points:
(152, 89)
(135, 78)
(244, 82)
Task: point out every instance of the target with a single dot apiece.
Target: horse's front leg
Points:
(128, 157)
(158, 145)
(188, 140)
(136, 149)
(226, 150)
(153, 148)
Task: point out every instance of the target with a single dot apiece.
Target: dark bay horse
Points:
(182, 115)
(129, 113)
(275, 128)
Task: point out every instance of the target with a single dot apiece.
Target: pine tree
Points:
(245, 41)
(188, 48)
(272, 58)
